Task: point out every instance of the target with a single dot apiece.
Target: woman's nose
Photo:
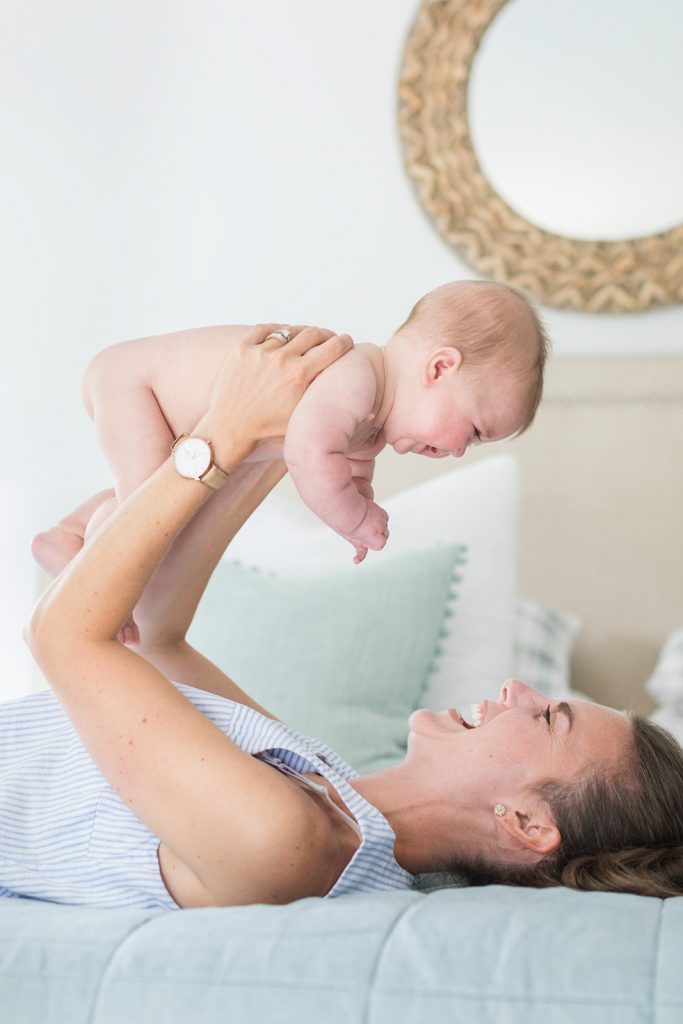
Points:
(512, 691)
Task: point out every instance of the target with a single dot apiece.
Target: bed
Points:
(558, 558)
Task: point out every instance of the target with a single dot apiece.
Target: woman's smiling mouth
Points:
(478, 714)
(457, 717)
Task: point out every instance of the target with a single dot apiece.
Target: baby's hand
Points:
(372, 532)
(129, 633)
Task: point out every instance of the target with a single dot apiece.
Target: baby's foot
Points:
(55, 548)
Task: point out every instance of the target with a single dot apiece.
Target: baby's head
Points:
(469, 364)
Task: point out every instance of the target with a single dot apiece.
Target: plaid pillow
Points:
(666, 682)
(544, 638)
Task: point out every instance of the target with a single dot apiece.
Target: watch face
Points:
(192, 457)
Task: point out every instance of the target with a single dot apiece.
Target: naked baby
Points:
(465, 368)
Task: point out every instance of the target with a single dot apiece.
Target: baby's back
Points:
(180, 368)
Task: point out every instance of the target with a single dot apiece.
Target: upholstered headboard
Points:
(601, 519)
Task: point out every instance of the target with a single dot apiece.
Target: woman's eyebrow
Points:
(566, 710)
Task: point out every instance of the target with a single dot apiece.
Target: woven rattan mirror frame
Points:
(593, 276)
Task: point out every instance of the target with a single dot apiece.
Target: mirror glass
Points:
(576, 113)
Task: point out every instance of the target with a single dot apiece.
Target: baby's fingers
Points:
(361, 552)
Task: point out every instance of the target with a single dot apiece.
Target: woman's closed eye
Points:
(561, 709)
(545, 714)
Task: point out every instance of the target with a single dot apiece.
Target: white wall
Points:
(171, 164)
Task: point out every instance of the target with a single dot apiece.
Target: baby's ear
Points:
(443, 361)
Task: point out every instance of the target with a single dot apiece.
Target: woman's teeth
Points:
(476, 716)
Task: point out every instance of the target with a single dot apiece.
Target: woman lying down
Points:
(121, 788)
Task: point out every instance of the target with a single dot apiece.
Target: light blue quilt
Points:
(470, 955)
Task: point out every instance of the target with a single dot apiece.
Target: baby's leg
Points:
(54, 548)
(132, 430)
(135, 439)
(133, 434)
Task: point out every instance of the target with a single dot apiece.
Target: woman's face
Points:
(524, 739)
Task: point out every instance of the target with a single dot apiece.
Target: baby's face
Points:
(456, 411)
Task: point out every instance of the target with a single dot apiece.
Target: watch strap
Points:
(214, 477)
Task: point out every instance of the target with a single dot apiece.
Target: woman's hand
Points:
(261, 382)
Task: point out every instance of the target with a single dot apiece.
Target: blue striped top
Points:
(66, 836)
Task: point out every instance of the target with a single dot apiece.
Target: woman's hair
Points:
(621, 832)
(492, 324)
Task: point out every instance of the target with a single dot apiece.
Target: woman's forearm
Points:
(97, 592)
(182, 663)
(167, 606)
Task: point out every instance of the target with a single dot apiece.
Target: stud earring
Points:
(499, 810)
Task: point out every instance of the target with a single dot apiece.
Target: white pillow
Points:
(666, 682)
(475, 505)
(544, 638)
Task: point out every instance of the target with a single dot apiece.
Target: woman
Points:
(190, 799)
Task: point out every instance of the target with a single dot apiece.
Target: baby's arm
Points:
(337, 488)
(362, 471)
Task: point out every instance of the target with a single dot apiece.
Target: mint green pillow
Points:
(343, 657)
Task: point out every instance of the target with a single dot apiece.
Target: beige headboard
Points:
(601, 519)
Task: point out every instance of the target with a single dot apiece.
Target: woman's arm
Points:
(166, 609)
(167, 606)
(210, 803)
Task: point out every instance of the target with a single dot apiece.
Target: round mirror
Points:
(534, 160)
(575, 111)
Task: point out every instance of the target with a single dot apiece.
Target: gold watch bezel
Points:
(213, 476)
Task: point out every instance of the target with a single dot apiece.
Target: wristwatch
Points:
(192, 458)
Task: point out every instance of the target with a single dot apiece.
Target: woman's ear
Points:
(536, 831)
(443, 361)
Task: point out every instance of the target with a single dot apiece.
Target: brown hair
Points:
(494, 327)
(620, 833)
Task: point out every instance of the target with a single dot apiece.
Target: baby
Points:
(465, 368)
